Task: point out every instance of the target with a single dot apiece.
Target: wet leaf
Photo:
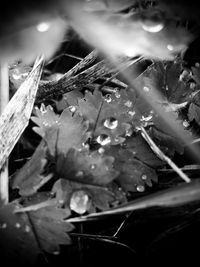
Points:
(29, 178)
(26, 235)
(86, 167)
(101, 198)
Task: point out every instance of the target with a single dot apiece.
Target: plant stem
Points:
(162, 156)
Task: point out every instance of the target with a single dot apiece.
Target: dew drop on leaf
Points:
(17, 225)
(186, 124)
(170, 47)
(3, 226)
(129, 132)
(72, 109)
(131, 113)
(152, 28)
(140, 188)
(79, 202)
(117, 94)
(144, 177)
(146, 89)
(108, 98)
(111, 123)
(101, 150)
(103, 139)
(92, 166)
(56, 252)
(79, 174)
(128, 104)
(27, 228)
(192, 86)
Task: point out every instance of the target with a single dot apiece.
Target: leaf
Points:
(134, 174)
(164, 80)
(98, 110)
(29, 178)
(167, 143)
(86, 167)
(141, 151)
(178, 195)
(60, 132)
(69, 99)
(26, 235)
(45, 118)
(102, 198)
(194, 109)
(72, 132)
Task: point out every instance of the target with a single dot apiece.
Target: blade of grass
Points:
(4, 99)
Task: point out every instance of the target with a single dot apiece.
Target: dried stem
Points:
(4, 99)
(162, 156)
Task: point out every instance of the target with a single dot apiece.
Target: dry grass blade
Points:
(179, 195)
(163, 157)
(17, 113)
(70, 81)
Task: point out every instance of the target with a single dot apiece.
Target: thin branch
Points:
(162, 156)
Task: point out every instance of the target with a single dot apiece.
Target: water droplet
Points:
(170, 47)
(108, 98)
(56, 252)
(17, 76)
(166, 88)
(148, 118)
(197, 64)
(72, 109)
(45, 123)
(140, 188)
(101, 150)
(129, 132)
(27, 228)
(43, 27)
(146, 89)
(153, 28)
(186, 124)
(79, 202)
(128, 104)
(3, 226)
(93, 166)
(111, 123)
(117, 94)
(131, 113)
(144, 177)
(103, 139)
(192, 86)
(17, 225)
(79, 174)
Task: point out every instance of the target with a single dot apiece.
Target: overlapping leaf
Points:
(134, 174)
(29, 178)
(99, 110)
(101, 198)
(26, 235)
(61, 132)
(86, 167)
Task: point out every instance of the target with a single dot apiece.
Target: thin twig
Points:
(162, 156)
